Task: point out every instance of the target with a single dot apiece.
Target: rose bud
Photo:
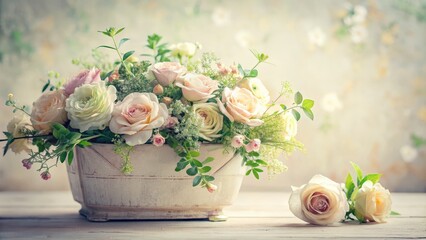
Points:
(45, 175)
(27, 163)
(132, 59)
(254, 145)
(211, 187)
(167, 100)
(158, 140)
(237, 141)
(158, 89)
(114, 76)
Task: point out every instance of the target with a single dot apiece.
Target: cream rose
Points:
(47, 109)
(20, 124)
(212, 120)
(321, 201)
(256, 87)
(136, 116)
(167, 72)
(90, 106)
(373, 202)
(240, 105)
(290, 128)
(197, 87)
(187, 49)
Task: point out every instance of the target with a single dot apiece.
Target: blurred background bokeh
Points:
(363, 62)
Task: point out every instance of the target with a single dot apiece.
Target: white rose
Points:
(373, 202)
(136, 116)
(20, 124)
(240, 105)
(197, 87)
(321, 201)
(290, 128)
(187, 49)
(256, 87)
(212, 120)
(90, 106)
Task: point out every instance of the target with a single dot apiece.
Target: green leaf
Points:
(256, 175)
(84, 143)
(253, 73)
(298, 98)
(194, 153)
(119, 31)
(261, 162)
(241, 70)
(308, 112)
(46, 85)
(208, 159)
(105, 46)
(62, 157)
(196, 181)
(205, 169)
(122, 41)
(283, 106)
(127, 55)
(181, 165)
(308, 103)
(70, 156)
(248, 172)
(296, 114)
(254, 154)
(373, 177)
(192, 171)
(358, 172)
(208, 178)
(393, 213)
(350, 186)
(73, 137)
(197, 163)
(258, 170)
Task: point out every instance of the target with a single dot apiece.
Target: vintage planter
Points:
(154, 190)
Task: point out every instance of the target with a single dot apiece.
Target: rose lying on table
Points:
(325, 202)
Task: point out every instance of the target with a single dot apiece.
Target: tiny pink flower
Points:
(211, 187)
(237, 141)
(254, 145)
(170, 122)
(27, 163)
(45, 175)
(86, 77)
(158, 140)
(114, 76)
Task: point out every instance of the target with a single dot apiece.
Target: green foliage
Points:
(160, 51)
(123, 150)
(418, 141)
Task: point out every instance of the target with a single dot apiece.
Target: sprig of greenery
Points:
(252, 73)
(160, 51)
(12, 103)
(112, 32)
(305, 105)
(253, 161)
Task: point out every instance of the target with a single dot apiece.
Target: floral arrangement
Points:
(325, 202)
(171, 98)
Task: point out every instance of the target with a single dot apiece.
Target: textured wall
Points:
(369, 83)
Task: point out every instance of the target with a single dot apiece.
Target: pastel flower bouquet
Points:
(171, 98)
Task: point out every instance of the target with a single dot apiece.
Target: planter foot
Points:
(93, 217)
(217, 217)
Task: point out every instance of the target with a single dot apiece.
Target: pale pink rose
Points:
(240, 105)
(47, 109)
(237, 141)
(86, 77)
(45, 175)
(170, 122)
(197, 87)
(211, 187)
(167, 72)
(253, 145)
(158, 140)
(136, 116)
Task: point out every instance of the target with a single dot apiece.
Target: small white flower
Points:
(408, 153)
(331, 102)
(244, 38)
(185, 49)
(360, 14)
(359, 34)
(317, 37)
(221, 16)
(290, 128)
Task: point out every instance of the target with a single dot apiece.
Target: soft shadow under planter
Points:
(153, 190)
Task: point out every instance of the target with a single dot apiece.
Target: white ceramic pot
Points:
(153, 190)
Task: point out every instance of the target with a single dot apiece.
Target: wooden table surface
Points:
(255, 215)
